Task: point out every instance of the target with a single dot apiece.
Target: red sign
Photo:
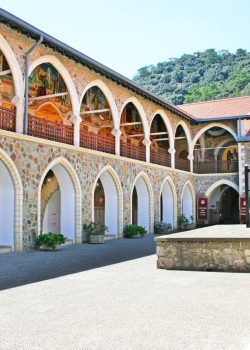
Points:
(242, 209)
(202, 208)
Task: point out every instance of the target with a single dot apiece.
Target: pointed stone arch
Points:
(54, 61)
(119, 192)
(77, 195)
(107, 93)
(18, 200)
(142, 175)
(168, 180)
(219, 183)
(188, 208)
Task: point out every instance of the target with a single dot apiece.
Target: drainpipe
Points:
(25, 119)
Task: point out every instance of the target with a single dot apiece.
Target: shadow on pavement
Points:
(17, 269)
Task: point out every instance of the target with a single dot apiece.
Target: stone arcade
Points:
(98, 146)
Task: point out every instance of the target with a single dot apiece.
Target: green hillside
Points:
(201, 76)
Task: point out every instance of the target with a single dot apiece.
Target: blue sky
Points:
(128, 34)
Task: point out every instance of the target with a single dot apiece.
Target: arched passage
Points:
(160, 142)
(134, 130)
(141, 203)
(60, 201)
(108, 201)
(182, 147)
(168, 205)
(11, 204)
(223, 203)
(188, 201)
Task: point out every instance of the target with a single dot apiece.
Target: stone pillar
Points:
(191, 159)
(172, 153)
(147, 144)
(76, 121)
(117, 134)
(18, 102)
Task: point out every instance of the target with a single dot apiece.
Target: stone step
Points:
(5, 249)
(108, 237)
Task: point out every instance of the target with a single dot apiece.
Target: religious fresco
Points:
(96, 113)
(48, 95)
(134, 133)
(7, 91)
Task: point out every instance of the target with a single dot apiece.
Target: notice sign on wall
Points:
(242, 209)
(202, 208)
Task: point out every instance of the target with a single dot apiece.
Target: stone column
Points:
(147, 144)
(117, 134)
(18, 102)
(172, 153)
(191, 159)
(76, 121)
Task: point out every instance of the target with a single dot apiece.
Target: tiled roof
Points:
(229, 107)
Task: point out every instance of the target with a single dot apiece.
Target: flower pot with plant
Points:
(134, 231)
(162, 228)
(182, 221)
(95, 232)
(50, 241)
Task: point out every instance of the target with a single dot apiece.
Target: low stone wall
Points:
(203, 253)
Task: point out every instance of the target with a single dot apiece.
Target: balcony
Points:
(7, 119)
(134, 152)
(96, 142)
(161, 157)
(44, 129)
(182, 164)
(222, 166)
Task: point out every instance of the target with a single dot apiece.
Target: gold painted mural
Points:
(7, 91)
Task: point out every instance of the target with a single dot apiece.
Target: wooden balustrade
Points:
(7, 119)
(134, 152)
(211, 167)
(45, 129)
(161, 157)
(182, 164)
(96, 142)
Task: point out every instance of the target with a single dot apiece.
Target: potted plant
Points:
(134, 231)
(190, 224)
(49, 241)
(182, 221)
(95, 232)
(161, 227)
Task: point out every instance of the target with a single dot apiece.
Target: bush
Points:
(50, 239)
(162, 227)
(182, 220)
(133, 230)
(95, 228)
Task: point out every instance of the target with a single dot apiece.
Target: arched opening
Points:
(215, 151)
(188, 203)
(58, 202)
(223, 205)
(97, 122)
(167, 206)
(7, 208)
(159, 142)
(181, 149)
(7, 92)
(141, 204)
(106, 203)
(132, 133)
(49, 120)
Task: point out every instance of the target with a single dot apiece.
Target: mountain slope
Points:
(201, 76)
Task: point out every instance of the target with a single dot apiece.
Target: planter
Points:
(136, 235)
(45, 247)
(96, 239)
(190, 226)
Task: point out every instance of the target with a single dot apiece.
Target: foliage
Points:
(95, 228)
(162, 227)
(133, 230)
(200, 76)
(184, 220)
(50, 239)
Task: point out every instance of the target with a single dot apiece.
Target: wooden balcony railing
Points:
(161, 157)
(134, 152)
(44, 129)
(7, 119)
(222, 166)
(96, 142)
(182, 164)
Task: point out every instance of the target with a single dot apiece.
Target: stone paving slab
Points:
(129, 306)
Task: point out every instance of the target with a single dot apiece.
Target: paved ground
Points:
(22, 268)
